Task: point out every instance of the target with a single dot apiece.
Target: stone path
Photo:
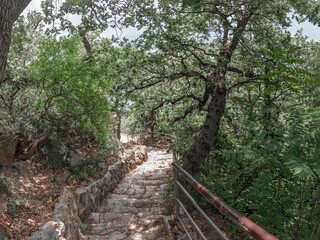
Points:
(135, 208)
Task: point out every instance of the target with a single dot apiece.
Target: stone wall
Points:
(72, 207)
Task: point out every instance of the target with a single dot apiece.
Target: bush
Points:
(4, 187)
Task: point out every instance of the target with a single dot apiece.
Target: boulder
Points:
(56, 153)
(60, 155)
(52, 230)
(7, 150)
(72, 159)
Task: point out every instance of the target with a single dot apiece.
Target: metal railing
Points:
(243, 222)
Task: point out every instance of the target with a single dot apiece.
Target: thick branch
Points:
(85, 40)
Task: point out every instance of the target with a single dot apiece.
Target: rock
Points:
(63, 150)
(72, 159)
(59, 155)
(1, 236)
(56, 153)
(7, 150)
(132, 164)
(167, 226)
(52, 230)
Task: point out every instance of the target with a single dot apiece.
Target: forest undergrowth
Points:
(30, 189)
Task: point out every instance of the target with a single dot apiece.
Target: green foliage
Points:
(92, 166)
(72, 89)
(168, 196)
(195, 3)
(54, 86)
(83, 176)
(305, 9)
(16, 94)
(11, 206)
(266, 162)
(79, 173)
(303, 155)
(75, 170)
(4, 187)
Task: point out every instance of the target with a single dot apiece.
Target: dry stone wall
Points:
(71, 208)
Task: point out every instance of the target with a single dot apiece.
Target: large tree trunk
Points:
(10, 10)
(195, 156)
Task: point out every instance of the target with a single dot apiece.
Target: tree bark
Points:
(119, 126)
(10, 10)
(152, 124)
(195, 156)
(86, 43)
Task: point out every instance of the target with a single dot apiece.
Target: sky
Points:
(310, 30)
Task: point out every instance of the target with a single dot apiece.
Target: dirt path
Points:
(134, 210)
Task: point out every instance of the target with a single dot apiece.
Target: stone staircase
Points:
(134, 210)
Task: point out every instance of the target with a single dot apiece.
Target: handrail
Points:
(246, 224)
(243, 222)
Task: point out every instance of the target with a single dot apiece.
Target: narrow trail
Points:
(135, 208)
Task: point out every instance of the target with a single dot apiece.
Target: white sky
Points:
(310, 30)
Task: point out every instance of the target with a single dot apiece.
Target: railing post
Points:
(176, 189)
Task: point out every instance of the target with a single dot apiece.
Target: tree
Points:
(195, 156)
(266, 161)
(182, 37)
(202, 50)
(72, 89)
(9, 13)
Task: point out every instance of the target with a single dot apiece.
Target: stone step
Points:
(155, 233)
(152, 177)
(156, 172)
(144, 181)
(130, 190)
(156, 183)
(103, 217)
(137, 203)
(119, 196)
(133, 196)
(123, 236)
(103, 229)
(112, 236)
(139, 191)
(134, 210)
(152, 224)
